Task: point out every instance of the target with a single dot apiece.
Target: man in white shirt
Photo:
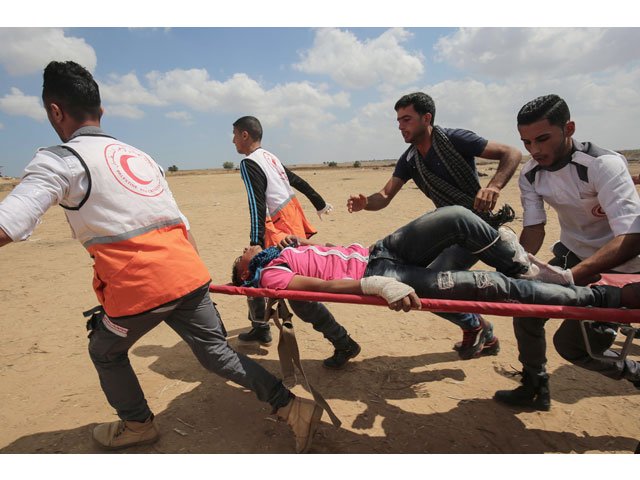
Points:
(146, 266)
(599, 214)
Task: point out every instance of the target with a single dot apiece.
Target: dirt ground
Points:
(407, 392)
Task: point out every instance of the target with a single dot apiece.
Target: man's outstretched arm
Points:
(532, 237)
(398, 295)
(375, 201)
(617, 251)
(255, 182)
(307, 190)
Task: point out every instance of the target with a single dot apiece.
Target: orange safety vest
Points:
(131, 225)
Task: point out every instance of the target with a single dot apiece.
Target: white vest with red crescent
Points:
(128, 193)
(279, 191)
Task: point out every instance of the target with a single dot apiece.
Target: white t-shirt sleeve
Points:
(532, 203)
(47, 180)
(617, 194)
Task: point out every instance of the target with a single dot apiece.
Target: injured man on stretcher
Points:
(395, 268)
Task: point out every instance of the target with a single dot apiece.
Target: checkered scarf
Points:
(466, 181)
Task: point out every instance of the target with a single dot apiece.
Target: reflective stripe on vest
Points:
(133, 229)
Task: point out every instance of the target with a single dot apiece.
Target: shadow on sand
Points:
(220, 417)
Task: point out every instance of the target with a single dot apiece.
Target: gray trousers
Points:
(193, 317)
(314, 313)
(568, 339)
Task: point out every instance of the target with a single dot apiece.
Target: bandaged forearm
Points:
(388, 288)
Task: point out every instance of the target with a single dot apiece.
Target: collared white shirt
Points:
(593, 195)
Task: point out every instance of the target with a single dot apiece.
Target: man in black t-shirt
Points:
(441, 162)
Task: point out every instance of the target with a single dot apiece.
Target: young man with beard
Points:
(441, 161)
(598, 208)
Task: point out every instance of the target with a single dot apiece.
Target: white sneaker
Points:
(547, 273)
(520, 256)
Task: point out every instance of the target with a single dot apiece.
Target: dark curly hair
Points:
(235, 272)
(422, 103)
(550, 107)
(257, 263)
(72, 87)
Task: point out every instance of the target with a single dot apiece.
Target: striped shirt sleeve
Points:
(255, 181)
(307, 190)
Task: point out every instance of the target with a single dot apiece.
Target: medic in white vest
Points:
(120, 208)
(284, 212)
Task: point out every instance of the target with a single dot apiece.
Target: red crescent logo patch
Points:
(124, 163)
(597, 211)
(134, 170)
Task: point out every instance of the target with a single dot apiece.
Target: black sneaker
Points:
(260, 335)
(533, 393)
(341, 356)
(474, 342)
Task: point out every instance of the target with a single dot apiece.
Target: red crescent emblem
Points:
(124, 162)
(598, 211)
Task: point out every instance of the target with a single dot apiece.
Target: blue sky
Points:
(322, 93)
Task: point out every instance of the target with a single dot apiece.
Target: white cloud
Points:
(304, 106)
(604, 107)
(125, 111)
(127, 89)
(538, 52)
(28, 50)
(17, 103)
(361, 64)
(182, 116)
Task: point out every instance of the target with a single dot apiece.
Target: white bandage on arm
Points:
(388, 288)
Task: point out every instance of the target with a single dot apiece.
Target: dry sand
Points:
(407, 392)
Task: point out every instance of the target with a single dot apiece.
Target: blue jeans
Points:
(457, 258)
(568, 339)
(408, 255)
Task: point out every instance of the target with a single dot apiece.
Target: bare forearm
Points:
(532, 237)
(509, 161)
(328, 286)
(377, 201)
(616, 252)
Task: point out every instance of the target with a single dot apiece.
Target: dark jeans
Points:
(314, 313)
(407, 255)
(442, 240)
(568, 339)
(196, 320)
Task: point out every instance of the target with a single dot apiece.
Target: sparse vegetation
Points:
(332, 164)
(357, 164)
(228, 165)
(173, 168)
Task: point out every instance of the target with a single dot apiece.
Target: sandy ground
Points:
(407, 392)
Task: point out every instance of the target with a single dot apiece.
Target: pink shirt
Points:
(325, 263)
